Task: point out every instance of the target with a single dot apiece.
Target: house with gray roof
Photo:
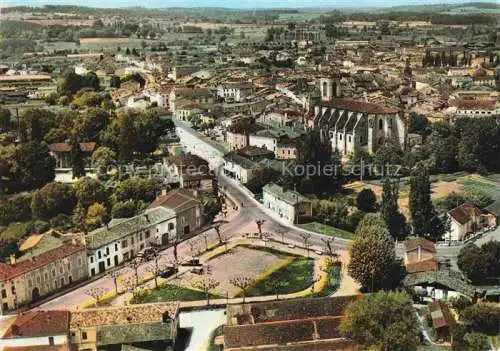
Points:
(289, 205)
(121, 239)
(240, 168)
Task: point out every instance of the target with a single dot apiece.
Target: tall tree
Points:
(389, 209)
(366, 200)
(77, 158)
(425, 219)
(373, 259)
(127, 138)
(35, 164)
(383, 321)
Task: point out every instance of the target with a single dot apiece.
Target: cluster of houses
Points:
(52, 261)
(93, 329)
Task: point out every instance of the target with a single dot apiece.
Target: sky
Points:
(247, 4)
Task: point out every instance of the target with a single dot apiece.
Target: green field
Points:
(169, 293)
(326, 230)
(292, 278)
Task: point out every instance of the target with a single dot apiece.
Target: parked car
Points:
(146, 254)
(168, 272)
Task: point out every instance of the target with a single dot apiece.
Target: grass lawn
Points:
(293, 277)
(327, 230)
(169, 293)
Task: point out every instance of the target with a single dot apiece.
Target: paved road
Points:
(251, 210)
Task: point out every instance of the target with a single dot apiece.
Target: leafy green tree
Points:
(89, 191)
(395, 220)
(211, 207)
(4, 119)
(373, 259)
(389, 154)
(477, 342)
(482, 318)
(53, 199)
(96, 216)
(425, 220)
(137, 189)
(124, 209)
(36, 123)
(115, 82)
(384, 321)
(366, 200)
(77, 159)
(35, 164)
(70, 83)
(103, 157)
(372, 223)
(15, 208)
(127, 137)
(441, 148)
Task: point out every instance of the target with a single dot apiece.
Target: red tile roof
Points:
(8, 272)
(177, 200)
(430, 264)
(414, 243)
(65, 147)
(463, 213)
(37, 348)
(361, 106)
(39, 323)
(480, 104)
(441, 315)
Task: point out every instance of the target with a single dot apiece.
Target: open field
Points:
(441, 186)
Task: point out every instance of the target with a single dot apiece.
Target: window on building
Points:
(108, 261)
(107, 251)
(53, 272)
(13, 288)
(61, 269)
(170, 226)
(124, 243)
(91, 259)
(99, 254)
(147, 234)
(30, 283)
(4, 293)
(132, 240)
(84, 335)
(380, 124)
(51, 340)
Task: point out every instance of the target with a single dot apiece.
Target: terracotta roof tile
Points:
(423, 266)
(441, 315)
(39, 323)
(177, 200)
(361, 106)
(481, 104)
(463, 213)
(8, 271)
(37, 348)
(65, 147)
(414, 243)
